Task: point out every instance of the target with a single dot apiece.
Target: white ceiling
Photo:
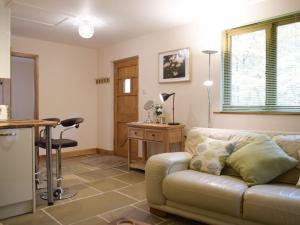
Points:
(117, 20)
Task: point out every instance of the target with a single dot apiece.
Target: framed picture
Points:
(174, 66)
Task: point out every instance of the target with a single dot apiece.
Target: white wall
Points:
(22, 91)
(191, 98)
(66, 84)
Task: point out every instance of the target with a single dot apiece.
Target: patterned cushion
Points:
(194, 138)
(210, 156)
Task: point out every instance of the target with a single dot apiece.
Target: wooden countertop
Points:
(154, 125)
(7, 124)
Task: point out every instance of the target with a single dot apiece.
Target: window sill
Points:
(258, 113)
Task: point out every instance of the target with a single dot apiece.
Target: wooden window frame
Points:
(270, 26)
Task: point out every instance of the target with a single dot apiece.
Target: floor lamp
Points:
(208, 83)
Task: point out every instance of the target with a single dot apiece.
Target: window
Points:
(127, 86)
(262, 66)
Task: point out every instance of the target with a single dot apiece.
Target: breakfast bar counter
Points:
(8, 124)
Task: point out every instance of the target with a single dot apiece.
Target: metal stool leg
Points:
(60, 193)
(58, 169)
(37, 169)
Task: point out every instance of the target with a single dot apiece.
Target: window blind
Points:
(281, 90)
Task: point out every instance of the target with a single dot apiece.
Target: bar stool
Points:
(59, 144)
(37, 154)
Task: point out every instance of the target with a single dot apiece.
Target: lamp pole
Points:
(208, 83)
(173, 108)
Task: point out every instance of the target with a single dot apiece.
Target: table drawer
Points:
(154, 135)
(135, 133)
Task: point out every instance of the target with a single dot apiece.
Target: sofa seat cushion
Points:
(273, 204)
(221, 194)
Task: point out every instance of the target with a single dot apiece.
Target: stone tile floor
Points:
(106, 191)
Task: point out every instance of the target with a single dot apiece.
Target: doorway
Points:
(125, 102)
(24, 86)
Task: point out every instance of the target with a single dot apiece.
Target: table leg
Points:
(181, 145)
(129, 153)
(145, 151)
(49, 165)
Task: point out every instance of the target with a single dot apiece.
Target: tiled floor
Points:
(106, 192)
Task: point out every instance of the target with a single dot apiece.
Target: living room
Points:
(106, 65)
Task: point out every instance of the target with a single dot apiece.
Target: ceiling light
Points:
(86, 29)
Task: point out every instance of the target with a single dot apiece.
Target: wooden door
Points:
(125, 102)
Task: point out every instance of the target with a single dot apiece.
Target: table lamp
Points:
(164, 97)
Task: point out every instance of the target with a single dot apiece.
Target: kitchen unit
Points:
(16, 175)
(17, 189)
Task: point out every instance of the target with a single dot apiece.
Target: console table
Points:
(151, 132)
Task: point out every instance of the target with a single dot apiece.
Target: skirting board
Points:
(82, 152)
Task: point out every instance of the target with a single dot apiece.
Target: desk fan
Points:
(148, 106)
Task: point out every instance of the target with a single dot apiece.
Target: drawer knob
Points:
(153, 135)
(135, 133)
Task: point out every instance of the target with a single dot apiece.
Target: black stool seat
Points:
(64, 143)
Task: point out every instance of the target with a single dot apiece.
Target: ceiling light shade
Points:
(208, 83)
(86, 29)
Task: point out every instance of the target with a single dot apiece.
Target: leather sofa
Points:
(171, 187)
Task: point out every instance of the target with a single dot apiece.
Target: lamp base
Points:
(173, 123)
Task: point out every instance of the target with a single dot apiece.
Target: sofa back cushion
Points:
(289, 142)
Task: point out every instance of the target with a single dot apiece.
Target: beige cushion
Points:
(289, 143)
(221, 194)
(273, 204)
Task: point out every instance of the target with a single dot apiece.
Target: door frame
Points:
(36, 80)
(116, 93)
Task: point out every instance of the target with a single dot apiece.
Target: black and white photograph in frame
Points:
(174, 66)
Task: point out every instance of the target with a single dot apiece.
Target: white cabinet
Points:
(16, 171)
(4, 42)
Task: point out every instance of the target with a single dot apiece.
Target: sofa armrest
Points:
(158, 167)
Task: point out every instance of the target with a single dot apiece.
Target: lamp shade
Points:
(208, 83)
(164, 96)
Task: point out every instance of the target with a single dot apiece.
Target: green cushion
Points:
(260, 161)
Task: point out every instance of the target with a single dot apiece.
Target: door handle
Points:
(7, 134)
